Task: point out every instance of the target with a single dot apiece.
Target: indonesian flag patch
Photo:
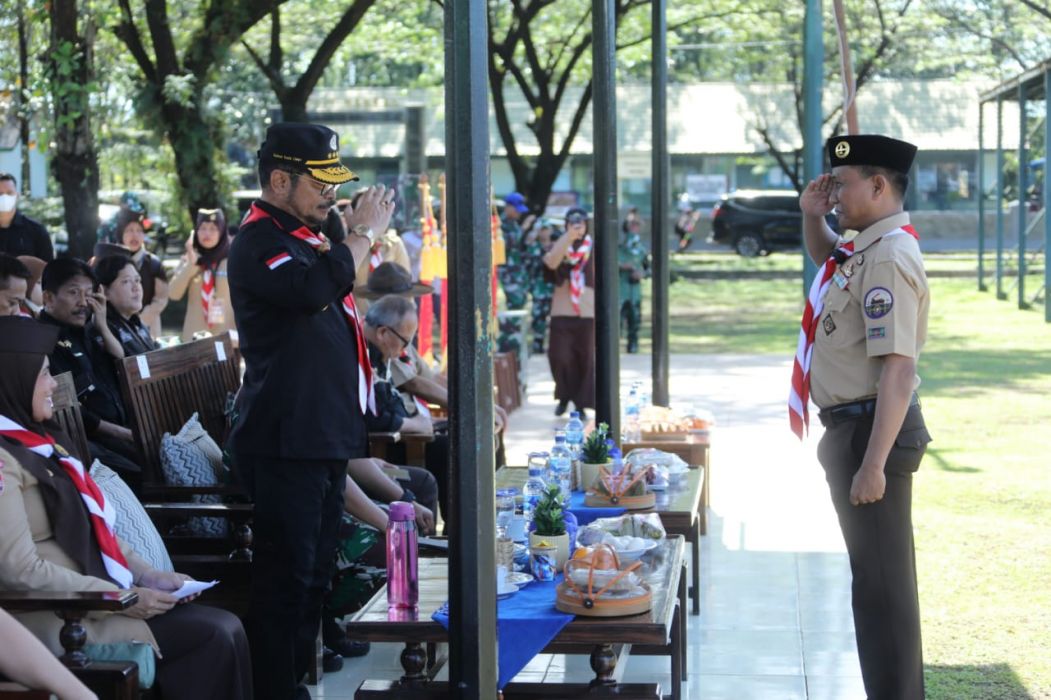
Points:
(278, 260)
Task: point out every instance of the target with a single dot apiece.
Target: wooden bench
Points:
(117, 680)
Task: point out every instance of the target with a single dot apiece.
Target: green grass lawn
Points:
(982, 508)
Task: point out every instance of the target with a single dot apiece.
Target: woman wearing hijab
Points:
(56, 534)
(122, 286)
(571, 350)
(132, 233)
(202, 272)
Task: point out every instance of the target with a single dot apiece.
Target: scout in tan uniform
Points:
(869, 315)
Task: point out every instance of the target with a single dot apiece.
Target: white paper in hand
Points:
(193, 587)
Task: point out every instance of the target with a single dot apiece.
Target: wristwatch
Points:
(365, 231)
(407, 496)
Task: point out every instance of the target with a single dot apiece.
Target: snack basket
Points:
(596, 586)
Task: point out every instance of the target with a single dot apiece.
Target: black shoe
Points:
(633, 349)
(331, 662)
(560, 409)
(350, 649)
(302, 692)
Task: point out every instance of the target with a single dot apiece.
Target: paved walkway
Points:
(775, 621)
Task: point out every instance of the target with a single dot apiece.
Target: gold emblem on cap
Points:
(842, 149)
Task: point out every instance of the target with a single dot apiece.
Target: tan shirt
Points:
(881, 311)
(189, 278)
(402, 372)
(31, 560)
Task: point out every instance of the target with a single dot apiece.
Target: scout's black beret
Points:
(305, 148)
(21, 334)
(873, 150)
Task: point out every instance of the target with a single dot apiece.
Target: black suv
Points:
(756, 222)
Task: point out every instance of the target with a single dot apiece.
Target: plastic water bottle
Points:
(574, 434)
(562, 465)
(632, 428)
(535, 486)
(403, 582)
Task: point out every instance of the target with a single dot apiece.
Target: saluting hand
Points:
(816, 198)
(868, 486)
(374, 210)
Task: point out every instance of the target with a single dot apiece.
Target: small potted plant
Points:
(594, 454)
(549, 525)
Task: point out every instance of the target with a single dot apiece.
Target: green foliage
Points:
(595, 450)
(548, 517)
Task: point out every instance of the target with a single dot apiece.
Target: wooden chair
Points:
(162, 389)
(505, 376)
(67, 415)
(109, 680)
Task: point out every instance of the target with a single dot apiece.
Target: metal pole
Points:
(1047, 196)
(980, 190)
(813, 72)
(607, 276)
(661, 199)
(1000, 293)
(472, 600)
(1023, 185)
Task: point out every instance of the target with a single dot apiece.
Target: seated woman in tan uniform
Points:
(56, 534)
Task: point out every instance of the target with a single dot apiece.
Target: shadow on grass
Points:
(947, 466)
(965, 372)
(989, 682)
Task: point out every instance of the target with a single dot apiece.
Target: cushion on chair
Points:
(132, 524)
(191, 458)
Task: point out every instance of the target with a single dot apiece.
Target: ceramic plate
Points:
(520, 578)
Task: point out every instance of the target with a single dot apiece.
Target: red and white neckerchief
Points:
(375, 255)
(208, 292)
(317, 241)
(799, 396)
(579, 258)
(100, 511)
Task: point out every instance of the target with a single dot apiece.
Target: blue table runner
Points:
(526, 622)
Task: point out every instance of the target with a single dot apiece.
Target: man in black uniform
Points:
(20, 235)
(305, 390)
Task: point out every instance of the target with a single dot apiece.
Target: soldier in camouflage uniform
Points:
(514, 279)
(540, 288)
(634, 264)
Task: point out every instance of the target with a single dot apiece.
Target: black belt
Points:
(865, 408)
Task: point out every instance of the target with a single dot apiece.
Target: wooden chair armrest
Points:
(68, 601)
(417, 437)
(220, 510)
(385, 438)
(158, 492)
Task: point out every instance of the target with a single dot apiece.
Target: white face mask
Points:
(7, 202)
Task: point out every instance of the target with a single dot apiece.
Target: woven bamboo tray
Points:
(646, 500)
(569, 601)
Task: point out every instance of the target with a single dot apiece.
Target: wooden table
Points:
(661, 631)
(695, 451)
(679, 508)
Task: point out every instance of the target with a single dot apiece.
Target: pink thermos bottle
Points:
(403, 587)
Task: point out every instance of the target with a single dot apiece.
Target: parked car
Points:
(757, 222)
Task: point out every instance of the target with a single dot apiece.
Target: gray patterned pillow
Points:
(132, 524)
(191, 458)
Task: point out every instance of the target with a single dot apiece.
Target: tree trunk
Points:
(75, 159)
(294, 106)
(194, 147)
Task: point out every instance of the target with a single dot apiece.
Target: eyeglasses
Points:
(404, 343)
(325, 190)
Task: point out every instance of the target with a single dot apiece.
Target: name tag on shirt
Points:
(840, 279)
